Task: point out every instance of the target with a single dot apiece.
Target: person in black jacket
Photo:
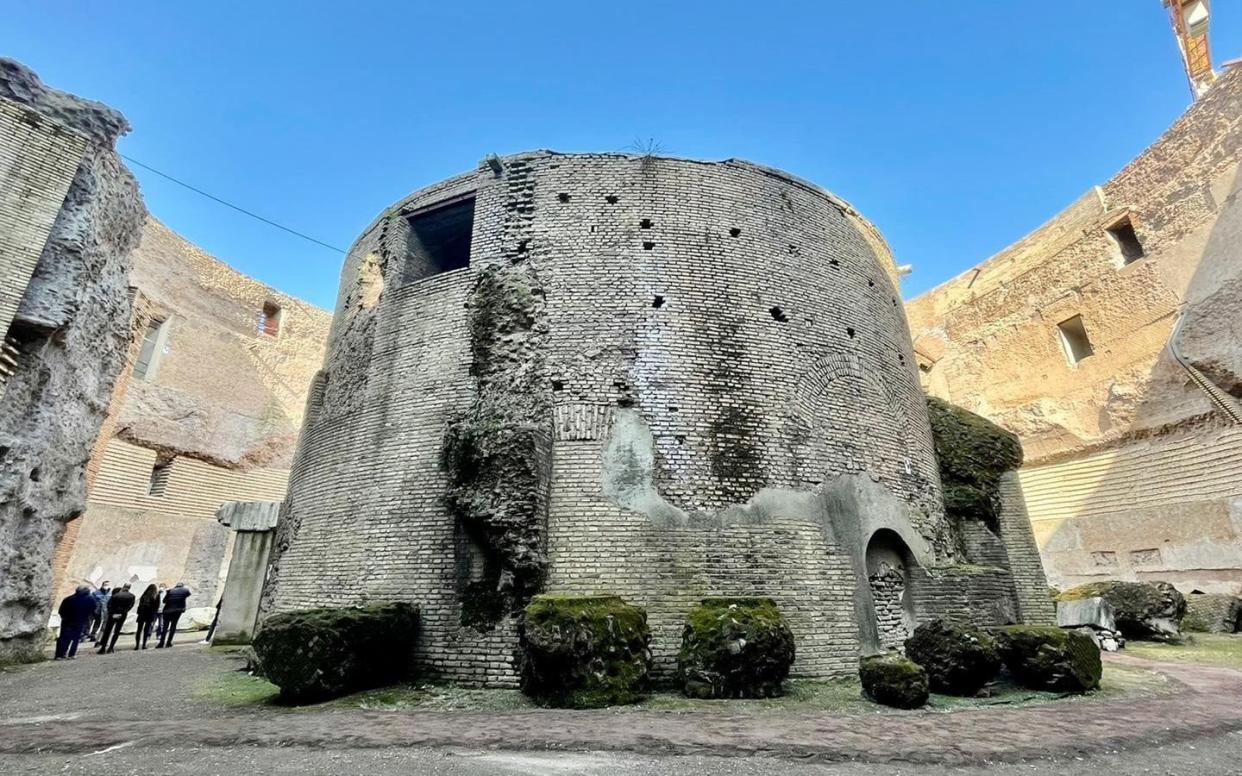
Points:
(118, 609)
(148, 606)
(174, 607)
(75, 614)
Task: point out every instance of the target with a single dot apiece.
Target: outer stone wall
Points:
(69, 333)
(732, 407)
(1131, 472)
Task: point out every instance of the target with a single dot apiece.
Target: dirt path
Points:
(144, 700)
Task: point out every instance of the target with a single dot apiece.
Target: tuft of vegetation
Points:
(972, 453)
(1044, 657)
(1220, 649)
(583, 652)
(959, 659)
(318, 654)
(893, 680)
(735, 648)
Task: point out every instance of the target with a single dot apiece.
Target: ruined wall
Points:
(71, 330)
(1111, 437)
(218, 408)
(732, 408)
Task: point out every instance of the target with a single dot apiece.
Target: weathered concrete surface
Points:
(254, 527)
(1130, 471)
(74, 327)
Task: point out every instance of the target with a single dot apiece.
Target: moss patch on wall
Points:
(973, 453)
(498, 454)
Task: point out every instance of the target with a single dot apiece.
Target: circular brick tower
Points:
(654, 377)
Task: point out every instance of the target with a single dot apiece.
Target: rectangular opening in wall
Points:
(1074, 339)
(439, 239)
(269, 319)
(148, 357)
(160, 473)
(1127, 241)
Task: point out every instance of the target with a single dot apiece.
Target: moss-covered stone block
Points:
(893, 680)
(318, 654)
(959, 659)
(1043, 657)
(583, 652)
(735, 648)
(1145, 611)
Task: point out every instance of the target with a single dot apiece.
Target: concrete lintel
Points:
(249, 515)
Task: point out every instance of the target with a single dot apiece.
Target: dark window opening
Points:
(1127, 240)
(148, 356)
(563, 197)
(647, 246)
(850, 331)
(658, 302)
(1074, 339)
(644, 224)
(870, 284)
(834, 262)
(558, 386)
(778, 314)
(439, 240)
(735, 232)
(611, 199)
(269, 319)
(160, 473)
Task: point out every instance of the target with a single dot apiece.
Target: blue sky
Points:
(955, 126)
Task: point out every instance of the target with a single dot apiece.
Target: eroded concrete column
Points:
(255, 524)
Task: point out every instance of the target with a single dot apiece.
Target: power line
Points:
(243, 210)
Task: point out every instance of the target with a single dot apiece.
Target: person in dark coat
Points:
(118, 609)
(174, 607)
(75, 613)
(101, 597)
(148, 607)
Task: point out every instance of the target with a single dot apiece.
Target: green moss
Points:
(735, 648)
(583, 651)
(972, 453)
(1222, 649)
(892, 680)
(318, 654)
(237, 688)
(1048, 658)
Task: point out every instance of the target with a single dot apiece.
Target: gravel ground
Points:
(1218, 756)
(123, 713)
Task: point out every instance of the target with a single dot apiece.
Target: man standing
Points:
(75, 612)
(118, 609)
(174, 607)
(101, 597)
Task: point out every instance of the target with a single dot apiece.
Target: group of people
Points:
(84, 612)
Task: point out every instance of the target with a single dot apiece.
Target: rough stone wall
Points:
(980, 595)
(1127, 419)
(730, 380)
(888, 590)
(221, 406)
(73, 327)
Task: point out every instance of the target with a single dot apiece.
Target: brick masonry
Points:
(1131, 473)
(735, 407)
(38, 160)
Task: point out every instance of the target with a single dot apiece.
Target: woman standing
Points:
(148, 605)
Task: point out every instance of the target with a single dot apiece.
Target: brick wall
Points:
(748, 320)
(974, 594)
(38, 159)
